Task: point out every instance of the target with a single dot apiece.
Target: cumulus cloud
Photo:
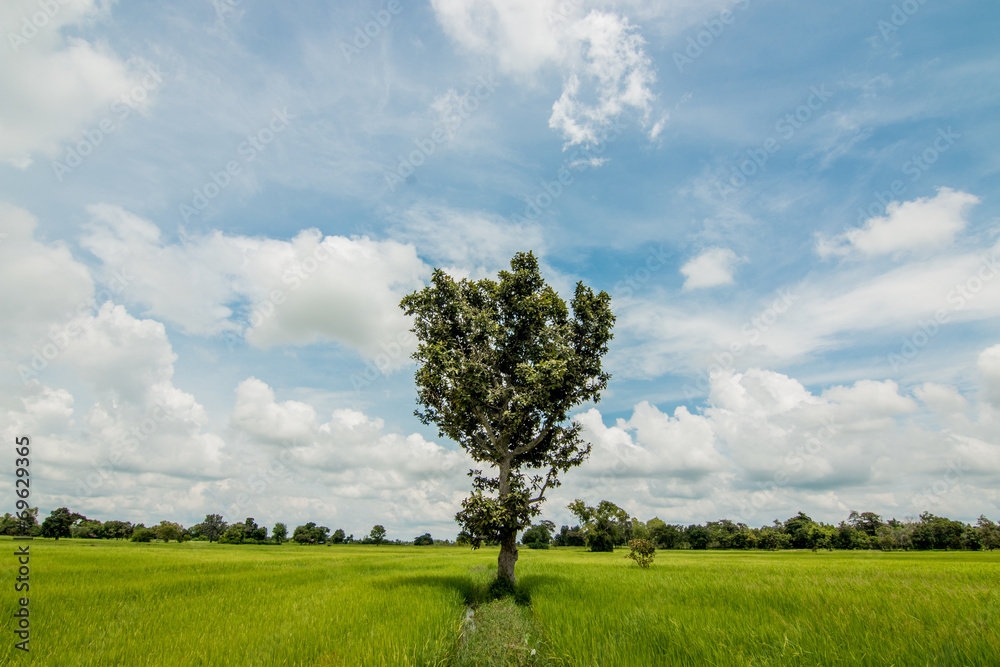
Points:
(350, 459)
(922, 224)
(605, 71)
(652, 443)
(114, 351)
(766, 447)
(713, 267)
(54, 85)
(39, 283)
(271, 292)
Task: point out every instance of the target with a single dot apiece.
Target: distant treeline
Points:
(606, 526)
(601, 528)
(64, 523)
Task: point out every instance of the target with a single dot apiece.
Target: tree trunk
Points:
(507, 558)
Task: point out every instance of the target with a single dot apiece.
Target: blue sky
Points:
(211, 210)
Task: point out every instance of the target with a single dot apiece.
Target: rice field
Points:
(120, 603)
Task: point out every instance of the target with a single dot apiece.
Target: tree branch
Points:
(527, 447)
(489, 431)
(541, 493)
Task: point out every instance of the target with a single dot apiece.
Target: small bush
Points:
(642, 552)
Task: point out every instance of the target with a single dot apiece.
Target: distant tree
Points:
(338, 536)
(638, 531)
(866, 522)
(501, 364)
(663, 535)
(377, 534)
(280, 533)
(722, 533)
(254, 533)
(570, 537)
(464, 539)
(58, 523)
(423, 540)
(603, 524)
(87, 529)
(311, 534)
(989, 533)
(848, 537)
(24, 522)
(168, 530)
(213, 527)
(744, 539)
(538, 536)
(821, 536)
(697, 536)
(773, 538)
(799, 531)
(235, 534)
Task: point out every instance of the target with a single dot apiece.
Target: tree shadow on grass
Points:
(476, 589)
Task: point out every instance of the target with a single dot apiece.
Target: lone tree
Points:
(501, 363)
(378, 534)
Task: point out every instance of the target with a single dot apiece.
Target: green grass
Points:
(108, 603)
(784, 608)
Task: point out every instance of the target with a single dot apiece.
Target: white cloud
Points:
(366, 475)
(53, 85)
(40, 284)
(989, 368)
(620, 76)
(921, 224)
(682, 445)
(310, 288)
(713, 267)
(114, 351)
(605, 70)
(258, 414)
